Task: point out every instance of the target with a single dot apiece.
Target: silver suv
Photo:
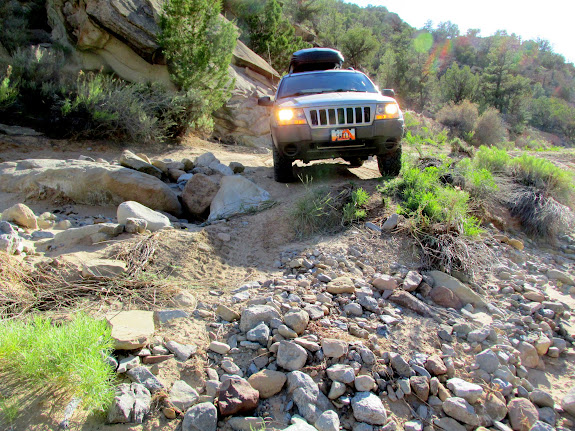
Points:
(323, 114)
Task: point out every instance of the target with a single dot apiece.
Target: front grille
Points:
(352, 116)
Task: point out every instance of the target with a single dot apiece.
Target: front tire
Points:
(283, 169)
(389, 164)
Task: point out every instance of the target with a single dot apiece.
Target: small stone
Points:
(219, 347)
(435, 365)
(449, 424)
(341, 373)
(466, 390)
(522, 414)
(182, 351)
(135, 225)
(297, 320)
(367, 407)
(21, 215)
(183, 395)
(385, 282)
(333, 348)
(528, 354)
(337, 390)
(341, 285)
(163, 317)
(400, 365)
(256, 314)
(143, 376)
(541, 398)
(444, 297)
(461, 410)
(487, 360)
(259, 334)
(201, 417)
(568, 402)
(328, 421)
(237, 396)
(412, 281)
(227, 313)
(291, 356)
(420, 387)
(267, 382)
(390, 223)
(364, 383)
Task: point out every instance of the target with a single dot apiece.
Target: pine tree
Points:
(198, 45)
(458, 84)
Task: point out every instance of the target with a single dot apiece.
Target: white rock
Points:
(132, 209)
(235, 196)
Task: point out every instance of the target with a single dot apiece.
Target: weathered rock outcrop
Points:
(121, 37)
(88, 183)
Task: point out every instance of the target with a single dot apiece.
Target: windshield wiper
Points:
(298, 93)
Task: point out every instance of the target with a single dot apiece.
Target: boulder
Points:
(255, 314)
(89, 183)
(21, 215)
(460, 410)
(131, 329)
(183, 395)
(130, 404)
(91, 233)
(291, 356)
(463, 292)
(201, 417)
(235, 196)
(154, 220)
(297, 319)
(132, 161)
(341, 285)
(367, 407)
(470, 392)
(333, 348)
(441, 295)
(198, 194)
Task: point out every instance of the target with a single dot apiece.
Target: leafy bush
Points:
(544, 176)
(8, 90)
(479, 182)
(198, 45)
(490, 129)
(461, 118)
(352, 211)
(38, 355)
(492, 159)
(459, 146)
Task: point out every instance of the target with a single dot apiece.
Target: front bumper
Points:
(301, 142)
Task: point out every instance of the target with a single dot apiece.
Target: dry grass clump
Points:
(24, 290)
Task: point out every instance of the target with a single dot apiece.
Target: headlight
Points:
(386, 111)
(289, 116)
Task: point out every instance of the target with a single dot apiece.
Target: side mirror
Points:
(389, 92)
(265, 101)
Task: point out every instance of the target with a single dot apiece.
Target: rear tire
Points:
(283, 169)
(390, 164)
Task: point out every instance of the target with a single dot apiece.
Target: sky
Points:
(553, 20)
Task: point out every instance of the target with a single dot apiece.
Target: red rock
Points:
(237, 396)
(446, 298)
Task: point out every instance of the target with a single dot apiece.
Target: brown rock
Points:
(407, 300)
(420, 387)
(341, 285)
(21, 215)
(227, 313)
(435, 365)
(175, 174)
(237, 396)
(385, 282)
(495, 406)
(446, 298)
(131, 329)
(522, 414)
(198, 193)
(267, 382)
(528, 354)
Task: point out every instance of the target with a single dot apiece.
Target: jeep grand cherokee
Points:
(325, 114)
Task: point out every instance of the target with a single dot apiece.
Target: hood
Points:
(333, 99)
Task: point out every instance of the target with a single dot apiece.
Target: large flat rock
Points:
(131, 329)
(88, 183)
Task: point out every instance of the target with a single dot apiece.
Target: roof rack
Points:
(307, 60)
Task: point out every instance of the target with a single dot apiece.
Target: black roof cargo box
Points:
(307, 60)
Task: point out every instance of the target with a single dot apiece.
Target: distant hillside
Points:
(524, 80)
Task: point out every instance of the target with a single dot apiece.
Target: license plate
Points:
(343, 135)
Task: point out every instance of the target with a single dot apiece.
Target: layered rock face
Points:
(121, 37)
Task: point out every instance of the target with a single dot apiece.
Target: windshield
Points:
(324, 82)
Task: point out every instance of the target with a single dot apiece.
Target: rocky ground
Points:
(268, 332)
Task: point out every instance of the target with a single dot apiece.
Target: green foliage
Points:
(352, 211)
(461, 118)
(494, 160)
(458, 84)
(70, 358)
(8, 90)
(553, 115)
(198, 45)
(17, 20)
(358, 45)
(428, 201)
(270, 33)
(490, 129)
(459, 146)
(479, 182)
(543, 175)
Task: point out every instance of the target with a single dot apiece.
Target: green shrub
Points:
(352, 211)
(461, 118)
(198, 45)
(543, 175)
(490, 129)
(492, 159)
(8, 90)
(459, 146)
(40, 356)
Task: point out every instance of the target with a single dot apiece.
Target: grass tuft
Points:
(67, 358)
